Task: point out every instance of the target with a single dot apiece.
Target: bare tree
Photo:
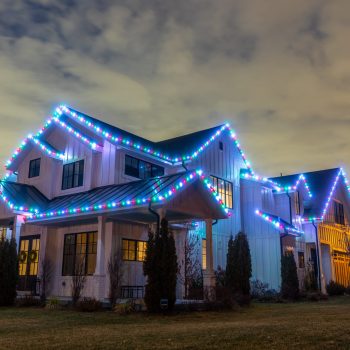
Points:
(46, 271)
(190, 268)
(78, 280)
(115, 272)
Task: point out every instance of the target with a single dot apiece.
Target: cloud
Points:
(277, 70)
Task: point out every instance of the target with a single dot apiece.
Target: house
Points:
(80, 190)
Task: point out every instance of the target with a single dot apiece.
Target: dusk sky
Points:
(277, 70)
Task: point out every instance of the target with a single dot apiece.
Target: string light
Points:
(277, 224)
(258, 178)
(162, 196)
(342, 174)
(130, 143)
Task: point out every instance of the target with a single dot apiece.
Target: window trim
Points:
(226, 182)
(36, 168)
(136, 249)
(75, 252)
(138, 160)
(80, 175)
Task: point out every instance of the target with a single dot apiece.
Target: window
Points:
(301, 260)
(297, 203)
(134, 250)
(79, 252)
(224, 189)
(339, 213)
(221, 146)
(34, 168)
(3, 231)
(204, 253)
(143, 170)
(73, 175)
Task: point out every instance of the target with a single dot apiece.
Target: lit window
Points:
(224, 189)
(204, 254)
(34, 168)
(73, 175)
(339, 213)
(143, 170)
(79, 252)
(2, 233)
(134, 250)
(301, 260)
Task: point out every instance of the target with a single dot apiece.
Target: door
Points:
(28, 263)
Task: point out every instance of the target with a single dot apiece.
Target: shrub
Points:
(347, 290)
(316, 296)
(334, 288)
(52, 304)
(88, 305)
(8, 271)
(161, 268)
(290, 283)
(124, 308)
(258, 289)
(238, 267)
(28, 301)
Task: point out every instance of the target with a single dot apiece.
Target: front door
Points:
(28, 263)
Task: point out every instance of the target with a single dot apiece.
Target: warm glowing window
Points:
(3, 231)
(224, 189)
(134, 250)
(301, 260)
(204, 254)
(79, 253)
(29, 257)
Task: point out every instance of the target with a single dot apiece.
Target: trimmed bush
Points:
(161, 268)
(334, 288)
(238, 266)
(290, 282)
(28, 301)
(8, 271)
(88, 305)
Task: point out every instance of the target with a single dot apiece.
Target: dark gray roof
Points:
(136, 193)
(174, 147)
(320, 184)
(26, 196)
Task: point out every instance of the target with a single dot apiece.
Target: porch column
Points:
(208, 274)
(100, 258)
(16, 231)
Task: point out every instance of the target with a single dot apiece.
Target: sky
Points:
(277, 70)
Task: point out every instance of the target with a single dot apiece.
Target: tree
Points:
(115, 272)
(238, 266)
(160, 267)
(290, 283)
(190, 270)
(46, 272)
(8, 271)
(78, 281)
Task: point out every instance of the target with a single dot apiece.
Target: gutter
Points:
(156, 215)
(318, 256)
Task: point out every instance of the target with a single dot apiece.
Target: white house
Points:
(83, 189)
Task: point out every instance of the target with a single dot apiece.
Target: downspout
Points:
(318, 256)
(290, 207)
(156, 215)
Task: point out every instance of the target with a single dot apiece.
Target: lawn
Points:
(319, 325)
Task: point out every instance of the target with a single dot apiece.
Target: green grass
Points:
(319, 325)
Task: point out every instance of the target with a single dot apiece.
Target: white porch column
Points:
(16, 232)
(208, 274)
(100, 274)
